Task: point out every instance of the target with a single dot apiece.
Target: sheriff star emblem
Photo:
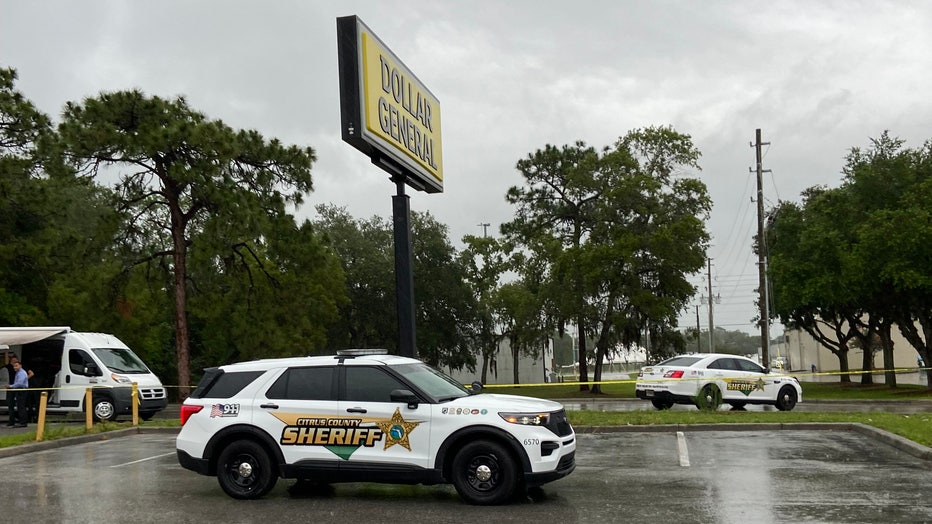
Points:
(396, 430)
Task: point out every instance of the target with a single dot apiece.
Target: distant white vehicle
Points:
(709, 380)
(68, 362)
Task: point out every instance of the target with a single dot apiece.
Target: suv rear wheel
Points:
(245, 470)
(484, 473)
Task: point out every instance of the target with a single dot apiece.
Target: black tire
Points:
(787, 398)
(662, 404)
(484, 473)
(104, 410)
(245, 470)
(146, 415)
(709, 398)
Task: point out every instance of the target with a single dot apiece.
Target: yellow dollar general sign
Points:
(386, 112)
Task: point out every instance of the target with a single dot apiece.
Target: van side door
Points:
(81, 372)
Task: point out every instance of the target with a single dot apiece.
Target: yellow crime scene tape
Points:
(698, 378)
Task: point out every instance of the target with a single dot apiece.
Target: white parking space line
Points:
(143, 460)
(681, 447)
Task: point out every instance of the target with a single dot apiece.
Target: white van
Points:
(68, 362)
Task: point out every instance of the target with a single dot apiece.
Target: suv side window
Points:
(369, 384)
(225, 385)
(314, 383)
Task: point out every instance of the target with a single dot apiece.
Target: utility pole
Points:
(711, 324)
(762, 257)
(698, 332)
(485, 229)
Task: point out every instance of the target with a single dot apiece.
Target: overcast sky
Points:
(817, 77)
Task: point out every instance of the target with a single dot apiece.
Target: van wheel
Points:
(104, 410)
(245, 470)
(484, 473)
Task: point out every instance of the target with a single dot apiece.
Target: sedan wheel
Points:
(787, 398)
(710, 398)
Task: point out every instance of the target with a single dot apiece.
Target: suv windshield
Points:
(431, 381)
(120, 360)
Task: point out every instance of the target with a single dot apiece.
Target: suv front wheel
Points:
(245, 471)
(484, 473)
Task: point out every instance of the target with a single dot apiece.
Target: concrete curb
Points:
(31, 447)
(901, 443)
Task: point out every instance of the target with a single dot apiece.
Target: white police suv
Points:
(358, 416)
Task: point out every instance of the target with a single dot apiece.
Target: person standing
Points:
(18, 416)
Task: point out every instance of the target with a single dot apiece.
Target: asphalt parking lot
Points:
(668, 474)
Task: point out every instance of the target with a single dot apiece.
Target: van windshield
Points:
(121, 360)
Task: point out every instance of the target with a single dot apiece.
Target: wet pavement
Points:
(710, 476)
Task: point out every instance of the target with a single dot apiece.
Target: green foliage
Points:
(615, 235)
(364, 247)
(485, 261)
(56, 229)
(851, 262)
(188, 183)
(445, 306)
(443, 303)
(274, 296)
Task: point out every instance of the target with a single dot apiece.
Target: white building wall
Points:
(804, 351)
(530, 370)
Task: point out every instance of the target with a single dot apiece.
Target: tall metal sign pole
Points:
(762, 258)
(404, 270)
(390, 116)
(711, 322)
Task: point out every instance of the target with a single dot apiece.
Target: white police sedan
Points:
(707, 380)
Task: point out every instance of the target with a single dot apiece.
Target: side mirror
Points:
(91, 370)
(476, 388)
(403, 395)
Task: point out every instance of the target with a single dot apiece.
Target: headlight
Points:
(526, 419)
(120, 379)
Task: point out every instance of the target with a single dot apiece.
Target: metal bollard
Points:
(43, 402)
(88, 409)
(135, 401)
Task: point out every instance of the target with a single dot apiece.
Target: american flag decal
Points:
(224, 410)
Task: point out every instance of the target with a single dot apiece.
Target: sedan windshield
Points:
(121, 360)
(431, 381)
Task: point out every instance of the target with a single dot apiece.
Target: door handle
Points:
(268, 406)
(356, 410)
